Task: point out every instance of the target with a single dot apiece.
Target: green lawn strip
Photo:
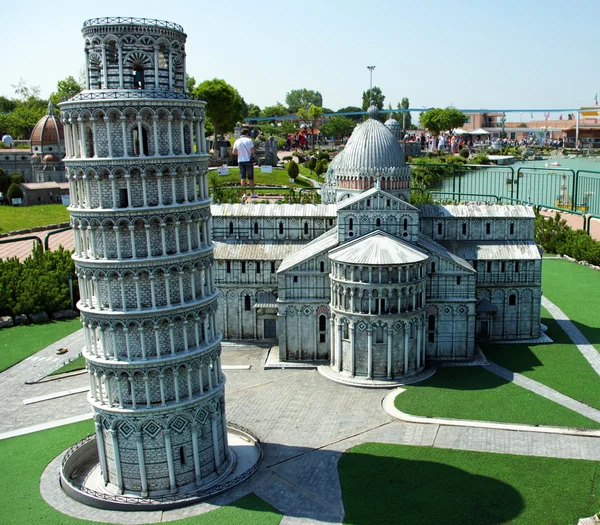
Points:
(559, 365)
(77, 364)
(471, 392)
(277, 178)
(19, 342)
(14, 218)
(399, 484)
(575, 289)
(28, 456)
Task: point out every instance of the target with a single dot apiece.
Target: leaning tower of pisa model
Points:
(140, 210)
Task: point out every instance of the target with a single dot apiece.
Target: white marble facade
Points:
(368, 282)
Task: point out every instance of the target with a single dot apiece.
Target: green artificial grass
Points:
(471, 392)
(24, 459)
(575, 289)
(279, 177)
(77, 364)
(559, 365)
(19, 342)
(396, 485)
(24, 217)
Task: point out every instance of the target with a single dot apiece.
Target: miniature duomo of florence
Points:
(367, 282)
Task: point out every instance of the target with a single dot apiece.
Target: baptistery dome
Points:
(394, 126)
(372, 153)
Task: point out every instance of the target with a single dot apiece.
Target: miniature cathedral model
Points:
(136, 162)
(369, 283)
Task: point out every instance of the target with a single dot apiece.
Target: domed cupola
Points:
(394, 126)
(48, 135)
(372, 153)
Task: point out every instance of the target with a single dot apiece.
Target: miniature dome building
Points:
(394, 126)
(140, 210)
(371, 154)
(48, 136)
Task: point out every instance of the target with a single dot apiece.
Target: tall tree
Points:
(303, 98)
(351, 109)
(437, 120)
(310, 117)
(253, 110)
(65, 89)
(224, 105)
(190, 83)
(274, 111)
(338, 126)
(405, 118)
(376, 95)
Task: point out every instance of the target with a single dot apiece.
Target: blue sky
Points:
(468, 53)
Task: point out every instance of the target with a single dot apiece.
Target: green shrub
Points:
(4, 182)
(16, 178)
(464, 153)
(292, 169)
(321, 167)
(323, 156)
(480, 158)
(40, 282)
(311, 163)
(554, 236)
(14, 192)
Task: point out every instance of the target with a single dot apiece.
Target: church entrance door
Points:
(270, 327)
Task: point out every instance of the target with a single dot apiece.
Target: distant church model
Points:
(136, 163)
(368, 282)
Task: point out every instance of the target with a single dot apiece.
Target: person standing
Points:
(244, 149)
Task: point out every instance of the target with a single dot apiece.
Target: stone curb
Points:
(36, 229)
(388, 406)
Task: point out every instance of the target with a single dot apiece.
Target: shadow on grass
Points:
(412, 491)
(462, 378)
(592, 334)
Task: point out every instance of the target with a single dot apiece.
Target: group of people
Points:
(297, 140)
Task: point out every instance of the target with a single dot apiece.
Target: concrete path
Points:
(583, 345)
(544, 391)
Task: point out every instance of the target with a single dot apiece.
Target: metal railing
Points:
(132, 20)
(556, 188)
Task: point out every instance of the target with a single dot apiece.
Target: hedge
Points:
(555, 236)
(39, 283)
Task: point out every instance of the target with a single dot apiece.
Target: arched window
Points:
(257, 266)
(321, 266)
(281, 228)
(138, 77)
(439, 228)
(464, 228)
(231, 228)
(322, 328)
(306, 228)
(433, 267)
(488, 228)
(378, 222)
(431, 329)
(182, 455)
(350, 226)
(512, 299)
(228, 266)
(405, 224)
(512, 228)
(247, 303)
(256, 228)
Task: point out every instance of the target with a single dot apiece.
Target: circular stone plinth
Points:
(363, 382)
(245, 451)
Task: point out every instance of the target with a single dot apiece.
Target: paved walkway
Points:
(304, 421)
(22, 249)
(583, 345)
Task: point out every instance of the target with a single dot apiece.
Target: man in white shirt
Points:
(244, 149)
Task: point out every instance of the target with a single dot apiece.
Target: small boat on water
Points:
(555, 164)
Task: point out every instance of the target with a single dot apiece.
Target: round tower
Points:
(136, 162)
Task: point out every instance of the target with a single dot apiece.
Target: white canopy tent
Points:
(460, 131)
(479, 131)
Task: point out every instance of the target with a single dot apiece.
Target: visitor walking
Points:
(244, 149)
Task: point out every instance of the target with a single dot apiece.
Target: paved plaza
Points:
(305, 423)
